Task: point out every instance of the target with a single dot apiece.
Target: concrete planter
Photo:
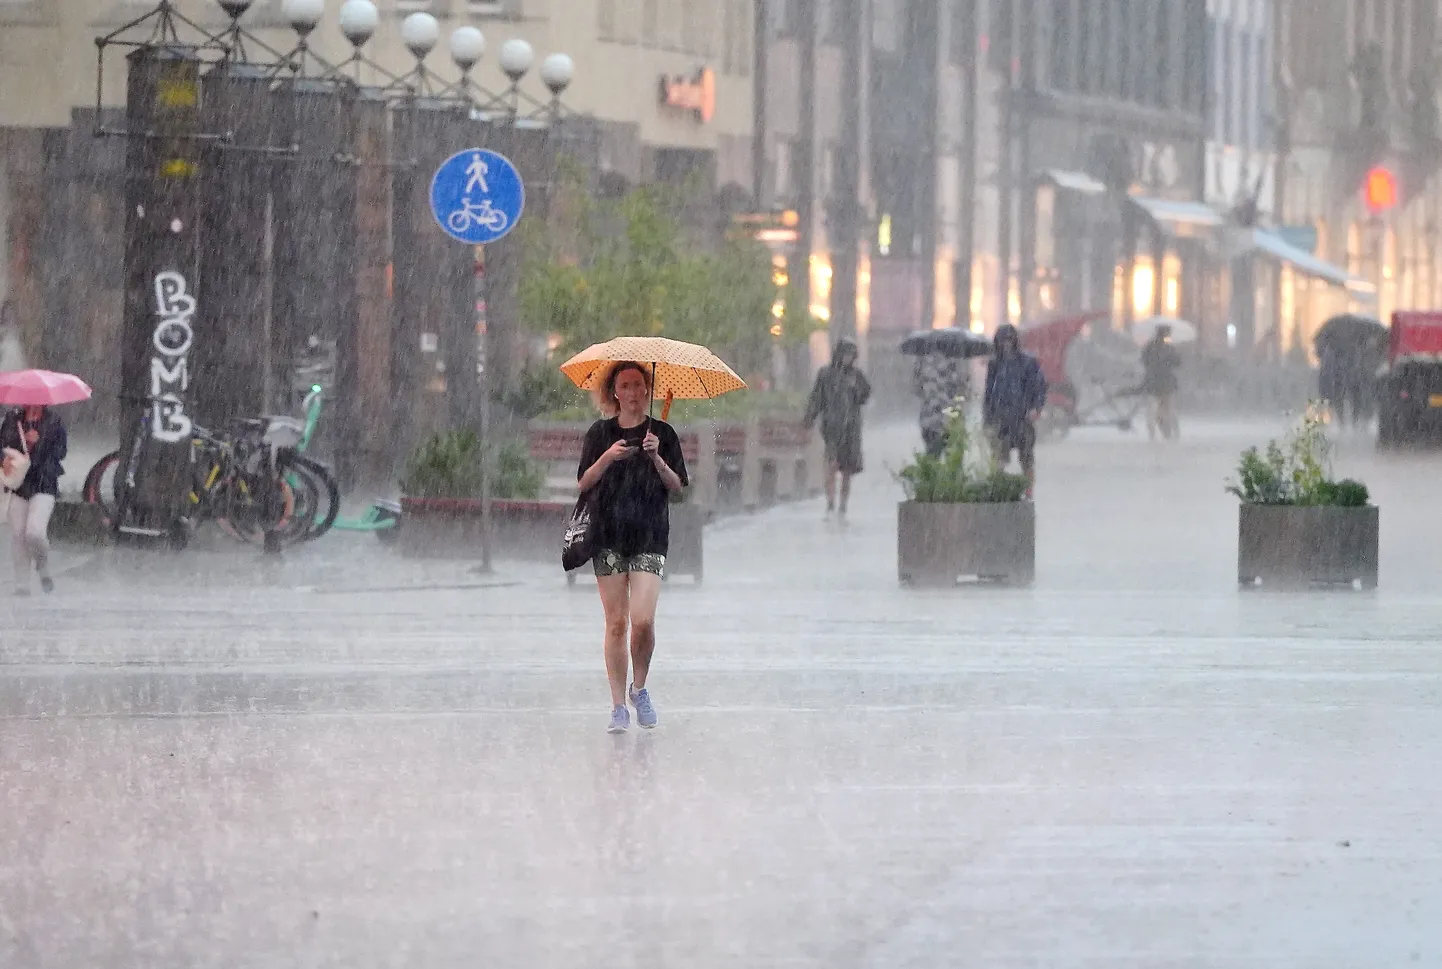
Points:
(527, 531)
(79, 523)
(941, 544)
(1293, 547)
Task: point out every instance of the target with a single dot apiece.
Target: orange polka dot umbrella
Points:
(683, 371)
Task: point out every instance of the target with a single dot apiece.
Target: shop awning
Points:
(1304, 262)
(1179, 217)
(1079, 182)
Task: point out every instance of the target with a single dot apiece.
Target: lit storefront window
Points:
(821, 286)
(1172, 285)
(1144, 288)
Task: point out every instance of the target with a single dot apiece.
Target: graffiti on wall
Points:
(169, 365)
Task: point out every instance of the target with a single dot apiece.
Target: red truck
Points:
(1411, 381)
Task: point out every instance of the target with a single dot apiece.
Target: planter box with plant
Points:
(441, 504)
(1297, 527)
(964, 518)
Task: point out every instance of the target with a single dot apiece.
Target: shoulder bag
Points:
(13, 468)
(578, 546)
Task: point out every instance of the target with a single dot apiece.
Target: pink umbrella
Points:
(28, 388)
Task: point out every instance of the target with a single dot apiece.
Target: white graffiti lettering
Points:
(170, 369)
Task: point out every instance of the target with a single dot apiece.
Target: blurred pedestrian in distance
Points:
(1160, 363)
(1015, 396)
(1331, 379)
(840, 391)
(39, 433)
(12, 354)
(634, 463)
(940, 381)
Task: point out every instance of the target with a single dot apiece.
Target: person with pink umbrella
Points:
(33, 430)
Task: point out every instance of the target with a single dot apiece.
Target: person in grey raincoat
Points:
(1015, 396)
(840, 391)
(940, 381)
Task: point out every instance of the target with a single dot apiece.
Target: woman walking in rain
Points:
(38, 433)
(631, 464)
(841, 390)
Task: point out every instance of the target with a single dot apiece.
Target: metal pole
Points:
(966, 228)
(483, 368)
(760, 86)
(1005, 189)
(846, 202)
(928, 219)
(1026, 34)
(804, 167)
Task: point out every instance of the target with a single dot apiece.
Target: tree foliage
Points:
(598, 269)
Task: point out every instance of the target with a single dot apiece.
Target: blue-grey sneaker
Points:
(620, 720)
(645, 712)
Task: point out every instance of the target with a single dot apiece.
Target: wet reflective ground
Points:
(349, 759)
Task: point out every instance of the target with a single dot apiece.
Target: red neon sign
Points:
(1379, 189)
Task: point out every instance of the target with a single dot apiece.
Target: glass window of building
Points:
(1062, 42)
(999, 34)
(963, 27)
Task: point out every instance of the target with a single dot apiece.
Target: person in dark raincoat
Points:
(841, 390)
(1160, 363)
(1015, 395)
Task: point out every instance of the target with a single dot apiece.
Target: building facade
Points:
(663, 86)
(1362, 157)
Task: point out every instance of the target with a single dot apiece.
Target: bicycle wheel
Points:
(325, 505)
(307, 496)
(102, 486)
(252, 506)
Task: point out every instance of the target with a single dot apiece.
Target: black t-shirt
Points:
(630, 502)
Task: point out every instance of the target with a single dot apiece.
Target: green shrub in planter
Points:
(448, 465)
(1296, 471)
(956, 477)
(963, 517)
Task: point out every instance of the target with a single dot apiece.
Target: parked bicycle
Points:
(252, 483)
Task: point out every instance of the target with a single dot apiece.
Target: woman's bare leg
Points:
(615, 600)
(845, 492)
(645, 591)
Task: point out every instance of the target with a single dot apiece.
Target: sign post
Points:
(477, 196)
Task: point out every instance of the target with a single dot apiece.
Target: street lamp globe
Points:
(468, 46)
(516, 58)
(234, 9)
(421, 32)
(557, 71)
(358, 21)
(302, 15)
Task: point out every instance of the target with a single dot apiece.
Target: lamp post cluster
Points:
(276, 199)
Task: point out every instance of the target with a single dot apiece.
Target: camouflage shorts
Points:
(610, 563)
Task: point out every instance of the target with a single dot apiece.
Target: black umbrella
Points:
(951, 342)
(1350, 332)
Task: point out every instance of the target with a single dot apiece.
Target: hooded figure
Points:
(840, 391)
(1160, 363)
(1015, 396)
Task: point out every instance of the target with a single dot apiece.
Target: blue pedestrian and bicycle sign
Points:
(477, 196)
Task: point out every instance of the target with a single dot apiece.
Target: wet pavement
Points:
(351, 759)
